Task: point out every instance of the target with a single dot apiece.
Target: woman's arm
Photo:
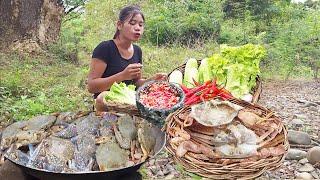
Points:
(95, 82)
(98, 84)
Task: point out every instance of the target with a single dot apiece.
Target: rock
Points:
(149, 173)
(162, 162)
(313, 155)
(302, 101)
(298, 137)
(315, 175)
(299, 116)
(170, 168)
(303, 161)
(307, 103)
(306, 168)
(297, 122)
(296, 154)
(154, 169)
(310, 104)
(138, 156)
(151, 162)
(165, 170)
(315, 109)
(159, 173)
(169, 176)
(304, 176)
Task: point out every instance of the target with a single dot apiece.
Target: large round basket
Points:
(256, 91)
(271, 138)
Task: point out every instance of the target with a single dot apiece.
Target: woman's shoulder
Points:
(103, 50)
(104, 44)
(137, 48)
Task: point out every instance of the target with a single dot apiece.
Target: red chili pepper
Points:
(184, 88)
(193, 100)
(214, 88)
(206, 91)
(195, 82)
(194, 90)
(225, 94)
(207, 83)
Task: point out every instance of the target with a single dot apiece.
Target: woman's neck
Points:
(122, 43)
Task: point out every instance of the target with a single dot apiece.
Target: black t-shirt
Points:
(108, 52)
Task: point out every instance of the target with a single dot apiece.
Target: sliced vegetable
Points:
(191, 63)
(176, 77)
(191, 73)
(190, 76)
(205, 73)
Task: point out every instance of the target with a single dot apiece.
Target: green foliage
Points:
(184, 22)
(291, 47)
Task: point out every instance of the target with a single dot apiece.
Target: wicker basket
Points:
(256, 90)
(232, 168)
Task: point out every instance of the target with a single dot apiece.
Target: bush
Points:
(184, 22)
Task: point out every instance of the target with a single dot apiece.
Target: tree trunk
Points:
(34, 23)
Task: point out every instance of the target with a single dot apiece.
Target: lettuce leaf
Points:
(122, 93)
(237, 67)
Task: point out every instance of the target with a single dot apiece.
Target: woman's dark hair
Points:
(128, 12)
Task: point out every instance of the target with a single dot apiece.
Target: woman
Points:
(119, 60)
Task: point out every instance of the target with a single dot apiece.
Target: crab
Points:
(214, 113)
(69, 117)
(125, 131)
(110, 156)
(83, 125)
(146, 139)
(89, 125)
(106, 133)
(52, 154)
(68, 132)
(85, 149)
(26, 132)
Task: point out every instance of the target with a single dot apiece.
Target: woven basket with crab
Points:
(229, 139)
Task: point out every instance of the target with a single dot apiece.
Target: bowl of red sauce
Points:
(157, 99)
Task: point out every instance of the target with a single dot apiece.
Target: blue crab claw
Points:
(67, 133)
(110, 117)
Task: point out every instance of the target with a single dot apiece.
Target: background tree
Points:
(36, 21)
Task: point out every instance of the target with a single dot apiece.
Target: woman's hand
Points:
(132, 71)
(160, 76)
(101, 104)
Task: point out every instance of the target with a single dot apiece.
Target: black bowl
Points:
(158, 116)
(121, 173)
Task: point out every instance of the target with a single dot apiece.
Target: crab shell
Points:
(215, 112)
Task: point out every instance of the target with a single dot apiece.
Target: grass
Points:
(41, 85)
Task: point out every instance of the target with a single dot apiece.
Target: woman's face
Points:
(132, 29)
